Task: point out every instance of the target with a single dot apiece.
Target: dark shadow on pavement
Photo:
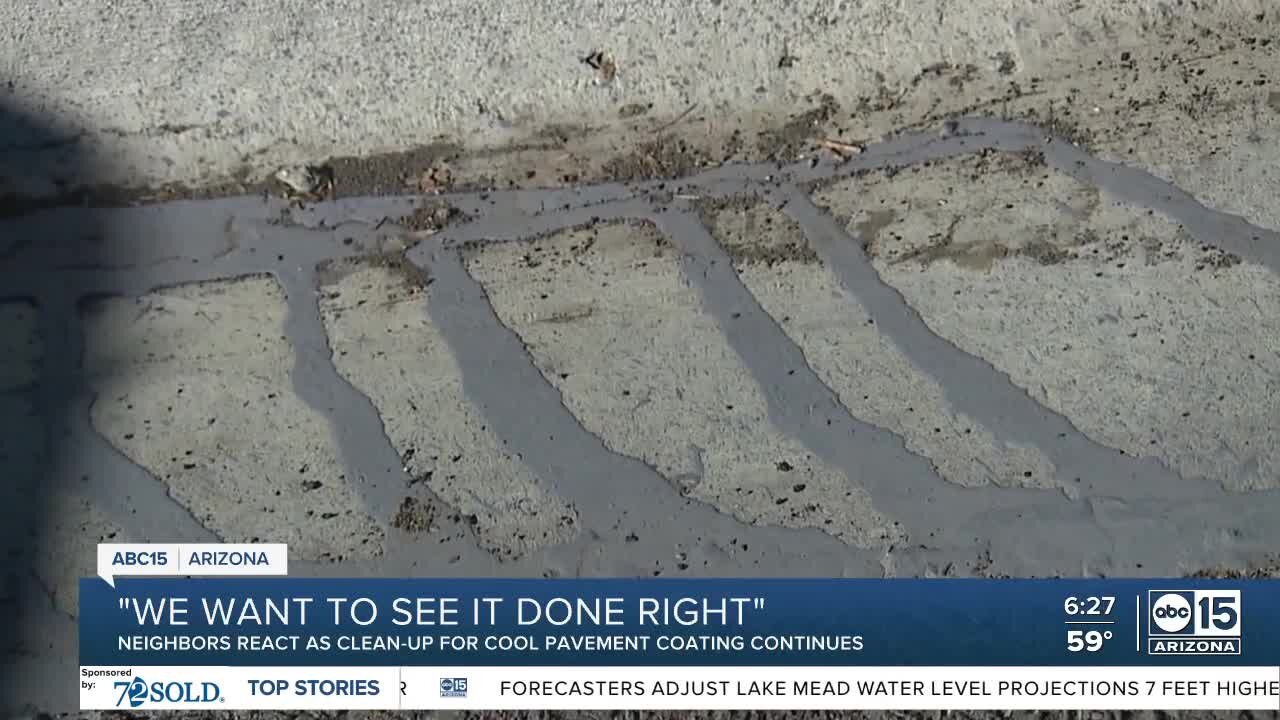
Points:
(39, 382)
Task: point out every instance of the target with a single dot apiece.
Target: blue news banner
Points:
(654, 622)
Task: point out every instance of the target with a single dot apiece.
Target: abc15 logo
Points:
(1194, 613)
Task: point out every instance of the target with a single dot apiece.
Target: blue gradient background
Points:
(902, 622)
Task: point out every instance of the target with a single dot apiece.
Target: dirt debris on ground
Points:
(795, 137)
(603, 62)
(436, 180)
(1261, 571)
(395, 173)
(306, 181)
(631, 110)
(1105, 100)
(431, 216)
(414, 516)
(793, 248)
(663, 157)
(330, 272)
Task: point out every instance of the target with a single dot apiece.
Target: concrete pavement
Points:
(224, 92)
(1028, 327)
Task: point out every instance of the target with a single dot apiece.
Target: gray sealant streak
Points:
(900, 482)
(619, 499)
(1230, 233)
(374, 468)
(949, 527)
(1132, 526)
(978, 389)
(372, 464)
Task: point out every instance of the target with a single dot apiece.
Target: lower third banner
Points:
(299, 644)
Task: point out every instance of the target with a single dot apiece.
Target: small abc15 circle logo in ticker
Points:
(453, 687)
(1193, 622)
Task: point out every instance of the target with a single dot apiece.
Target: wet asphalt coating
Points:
(1124, 516)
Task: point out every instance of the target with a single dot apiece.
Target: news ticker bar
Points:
(679, 688)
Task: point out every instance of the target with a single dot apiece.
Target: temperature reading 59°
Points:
(1087, 640)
